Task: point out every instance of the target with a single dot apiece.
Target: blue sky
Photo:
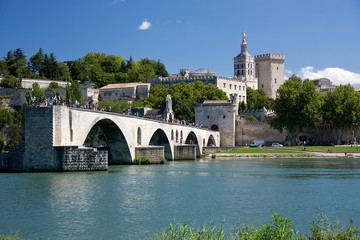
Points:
(318, 37)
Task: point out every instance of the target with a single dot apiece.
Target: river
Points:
(136, 201)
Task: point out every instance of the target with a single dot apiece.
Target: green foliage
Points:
(250, 118)
(53, 85)
(183, 96)
(143, 160)
(3, 68)
(10, 125)
(278, 229)
(342, 108)
(256, 99)
(73, 92)
(9, 81)
(2, 144)
(297, 106)
(119, 106)
(16, 64)
(37, 92)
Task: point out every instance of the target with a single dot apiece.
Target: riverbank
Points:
(290, 152)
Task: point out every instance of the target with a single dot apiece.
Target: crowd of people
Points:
(50, 101)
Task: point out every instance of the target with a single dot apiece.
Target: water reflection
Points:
(136, 201)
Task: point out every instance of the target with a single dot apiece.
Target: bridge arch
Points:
(192, 139)
(139, 136)
(119, 151)
(211, 141)
(159, 138)
(215, 127)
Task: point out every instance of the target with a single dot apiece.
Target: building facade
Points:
(323, 85)
(263, 71)
(118, 91)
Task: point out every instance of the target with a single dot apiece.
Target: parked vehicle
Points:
(276, 145)
(257, 143)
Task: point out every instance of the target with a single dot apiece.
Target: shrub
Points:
(250, 118)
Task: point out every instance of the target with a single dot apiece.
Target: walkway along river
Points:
(136, 201)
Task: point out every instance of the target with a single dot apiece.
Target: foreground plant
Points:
(279, 229)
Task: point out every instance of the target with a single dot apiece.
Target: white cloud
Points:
(288, 73)
(145, 25)
(336, 75)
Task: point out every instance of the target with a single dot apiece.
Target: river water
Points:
(136, 201)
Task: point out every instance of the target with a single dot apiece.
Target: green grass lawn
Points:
(326, 148)
(295, 149)
(261, 150)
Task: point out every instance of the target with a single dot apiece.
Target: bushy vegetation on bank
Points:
(278, 229)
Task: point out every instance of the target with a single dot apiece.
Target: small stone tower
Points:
(168, 112)
(270, 72)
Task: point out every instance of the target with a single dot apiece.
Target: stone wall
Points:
(184, 152)
(247, 131)
(14, 96)
(82, 159)
(39, 151)
(155, 153)
(13, 160)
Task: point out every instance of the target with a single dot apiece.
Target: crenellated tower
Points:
(270, 72)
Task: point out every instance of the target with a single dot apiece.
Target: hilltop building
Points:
(119, 91)
(323, 85)
(263, 71)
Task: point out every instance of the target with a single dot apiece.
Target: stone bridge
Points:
(47, 129)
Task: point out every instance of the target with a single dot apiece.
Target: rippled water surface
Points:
(136, 201)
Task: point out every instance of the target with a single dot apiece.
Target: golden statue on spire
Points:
(244, 35)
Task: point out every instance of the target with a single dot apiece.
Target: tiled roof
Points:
(215, 101)
(123, 85)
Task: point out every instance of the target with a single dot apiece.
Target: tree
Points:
(342, 108)
(37, 92)
(53, 85)
(256, 99)
(36, 62)
(3, 68)
(140, 72)
(297, 106)
(10, 81)
(183, 96)
(16, 64)
(73, 92)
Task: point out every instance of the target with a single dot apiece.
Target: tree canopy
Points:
(297, 106)
(256, 100)
(99, 68)
(342, 108)
(183, 96)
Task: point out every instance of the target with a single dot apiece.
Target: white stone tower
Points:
(270, 72)
(244, 66)
(168, 112)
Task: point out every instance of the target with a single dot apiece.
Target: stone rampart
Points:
(184, 152)
(247, 131)
(155, 153)
(269, 56)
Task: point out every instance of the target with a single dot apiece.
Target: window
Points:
(262, 85)
(275, 80)
(208, 116)
(243, 88)
(224, 85)
(224, 116)
(235, 87)
(230, 86)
